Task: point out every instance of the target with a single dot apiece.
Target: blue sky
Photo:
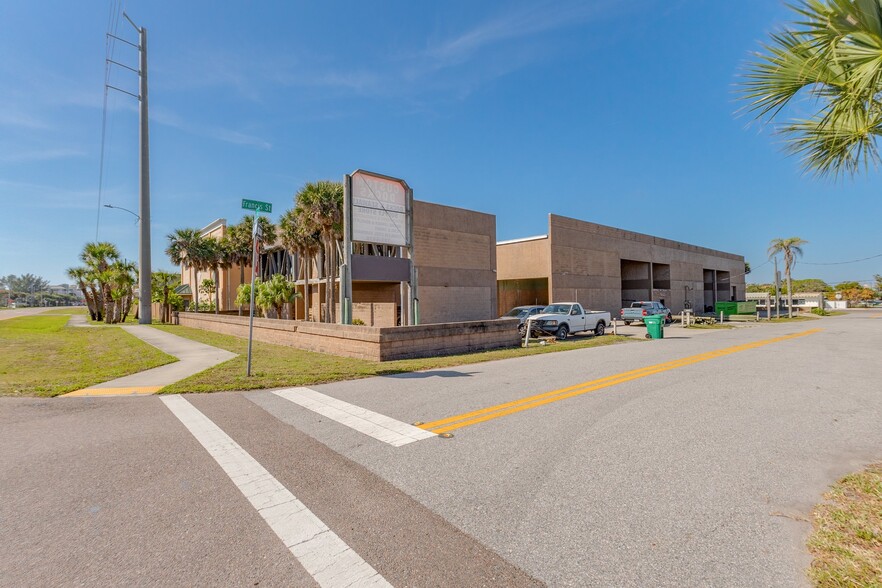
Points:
(617, 113)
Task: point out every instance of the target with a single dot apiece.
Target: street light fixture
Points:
(126, 209)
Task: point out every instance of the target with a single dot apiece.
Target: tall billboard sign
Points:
(378, 209)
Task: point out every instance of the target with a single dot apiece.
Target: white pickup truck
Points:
(562, 318)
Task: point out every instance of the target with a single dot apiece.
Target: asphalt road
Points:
(697, 473)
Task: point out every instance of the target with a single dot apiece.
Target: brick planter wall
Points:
(372, 343)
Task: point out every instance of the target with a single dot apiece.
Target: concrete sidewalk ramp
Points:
(193, 358)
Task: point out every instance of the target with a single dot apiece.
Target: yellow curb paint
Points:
(128, 391)
(493, 412)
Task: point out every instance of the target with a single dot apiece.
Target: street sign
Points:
(257, 205)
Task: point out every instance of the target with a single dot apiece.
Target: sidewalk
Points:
(193, 358)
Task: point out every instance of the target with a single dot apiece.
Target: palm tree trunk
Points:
(216, 292)
(195, 288)
(333, 295)
(306, 287)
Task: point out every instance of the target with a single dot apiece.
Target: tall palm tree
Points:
(213, 256)
(322, 202)
(239, 237)
(163, 283)
(183, 251)
(298, 234)
(790, 247)
(831, 57)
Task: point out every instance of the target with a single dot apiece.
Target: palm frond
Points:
(840, 141)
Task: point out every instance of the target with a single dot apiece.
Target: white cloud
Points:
(41, 155)
(226, 135)
(526, 21)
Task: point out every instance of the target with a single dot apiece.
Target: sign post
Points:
(256, 235)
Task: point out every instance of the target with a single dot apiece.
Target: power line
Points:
(113, 17)
(842, 262)
(745, 273)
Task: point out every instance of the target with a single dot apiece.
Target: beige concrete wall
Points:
(586, 264)
(524, 259)
(583, 262)
(371, 343)
(455, 255)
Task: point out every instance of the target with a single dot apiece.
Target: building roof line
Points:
(536, 238)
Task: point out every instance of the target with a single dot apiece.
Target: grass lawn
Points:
(67, 310)
(796, 319)
(40, 356)
(847, 539)
(276, 366)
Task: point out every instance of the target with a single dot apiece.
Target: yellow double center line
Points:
(500, 410)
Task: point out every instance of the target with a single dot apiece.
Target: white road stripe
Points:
(331, 562)
(365, 421)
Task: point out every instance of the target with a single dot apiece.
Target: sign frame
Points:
(404, 239)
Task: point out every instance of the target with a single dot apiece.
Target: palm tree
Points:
(213, 256)
(123, 277)
(183, 251)
(831, 58)
(83, 279)
(98, 258)
(163, 282)
(298, 234)
(322, 202)
(275, 293)
(239, 237)
(790, 247)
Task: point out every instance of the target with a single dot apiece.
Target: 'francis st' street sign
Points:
(257, 205)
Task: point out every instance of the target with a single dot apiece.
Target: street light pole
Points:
(126, 209)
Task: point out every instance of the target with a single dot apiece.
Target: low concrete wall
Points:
(372, 343)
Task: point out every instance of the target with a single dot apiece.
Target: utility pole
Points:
(145, 313)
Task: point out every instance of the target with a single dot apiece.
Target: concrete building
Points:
(605, 268)
(455, 258)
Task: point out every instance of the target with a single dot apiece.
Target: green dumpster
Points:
(726, 308)
(655, 326)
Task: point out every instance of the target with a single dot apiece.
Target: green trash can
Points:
(655, 326)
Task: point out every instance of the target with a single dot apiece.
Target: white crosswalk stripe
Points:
(331, 562)
(365, 421)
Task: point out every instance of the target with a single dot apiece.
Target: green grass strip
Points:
(276, 366)
(847, 539)
(40, 356)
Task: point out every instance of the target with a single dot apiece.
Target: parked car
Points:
(562, 318)
(522, 313)
(640, 309)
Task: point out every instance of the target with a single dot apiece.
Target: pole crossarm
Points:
(124, 41)
(131, 22)
(124, 65)
(123, 91)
